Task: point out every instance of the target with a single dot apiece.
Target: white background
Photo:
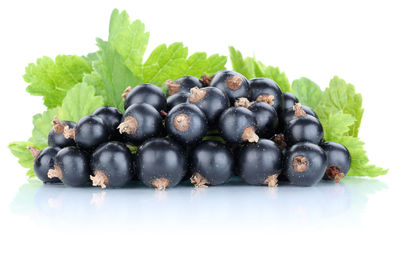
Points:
(353, 223)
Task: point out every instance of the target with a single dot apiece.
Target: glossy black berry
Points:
(211, 100)
(90, 132)
(211, 163)
(71, 166)
(161, 163)
(183, 85)
(339, 161)
(186, 123)
(290, 114)
(304, 128)
(234, 84)
(289, 100)
(305, 164)
(176, 99)
(43, 162)
(238, 125)
(266, 119)
(145, 93)
(140, 122)
(111, 165)
(266, 90)
(260, 163)
(111, 117)
(56, 136)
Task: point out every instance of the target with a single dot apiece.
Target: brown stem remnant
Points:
(199, 180)
(163, 113)
(160, 183)
(58, 126)
(206, 80)
(99, 179)
(298, 110)
(279, 139)
(35, 152)
(55, 173)
(243, 102)
(335, 173)
(126, 92)
(234, 82)
(182, 122)
(300, 163)
(269, 99)
(272, 180)
(129, 125)
(250, 135)
(197, 94)
(173, 86)
(69, 132)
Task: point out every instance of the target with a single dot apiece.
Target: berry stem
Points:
(126, 92)
(298, 110)
(300, 163)
(234, 82)
(55, 173)
(99, 179)
(69, 133)
(269, 99)
(35, 152)
(58, 126)
(272, 180)
(197, 94)
(129, 125)
(173, 86)
(206, 80)
(243, 102)
(161, 183)
(250, 135)
(199, 181)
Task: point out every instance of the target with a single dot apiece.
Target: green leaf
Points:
(80, 101)
(275, 74)
(246, 68)
(52, 79)
(42, 126)
(111, 77)
(129, 39)
(307, 92)
(198, 64)
(359, 160)
(25, 158)
(337, 124)
(341, 97)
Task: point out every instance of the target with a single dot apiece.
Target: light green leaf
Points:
(337, 125)
(25, 158)
(307, 92)
(246, 68)
(275, 74)
(341, 97)
(359, 160)
(52, 79)
(111, 77)
(42, 126)
(80, 101)
(129, 39)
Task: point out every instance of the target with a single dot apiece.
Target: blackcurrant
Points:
(186, 123)
(289, 114)
(266, 90)
(303, 128)
(238, 125)
(183, 84)
(339, 161)
(260, 163)
(305, 164)
(234, 84)
(140, 122)
(71, 166)
(211, 163)
(111, 117)
(90, 132)
(266, 119)
(161, 163)
(176, 99)
(56, 136)
(111, 165)
(145, 93)
(289, 100)
(211, 100)
(43, 162)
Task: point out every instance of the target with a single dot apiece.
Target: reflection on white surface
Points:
(230, 206)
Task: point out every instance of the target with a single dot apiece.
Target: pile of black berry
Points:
(207, 131)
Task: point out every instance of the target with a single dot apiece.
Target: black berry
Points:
(111, 117)
(111, 165)
(186, 123)
(56, 136)
(71, 166)
(289, 100)
(266, 119)
(211, 163)
(266, 90)
(183, 85)
(234, 84)
(260, 163)
(145, 93)
(339, 161)
(305, 164)
(176, 99)
(161, 163)
(43, 162)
